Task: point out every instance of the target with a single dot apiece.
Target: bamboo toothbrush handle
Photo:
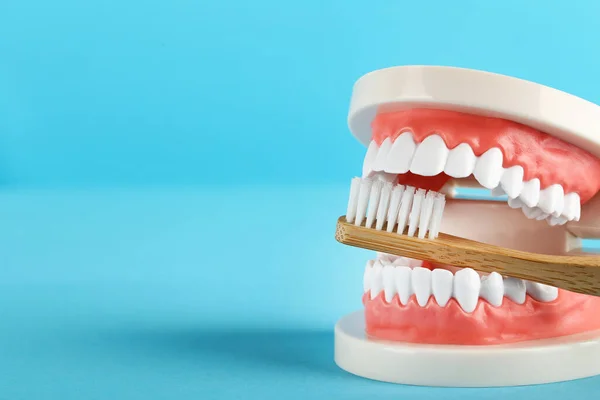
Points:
(579, 274)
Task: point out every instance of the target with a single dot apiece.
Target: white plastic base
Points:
(527, 363)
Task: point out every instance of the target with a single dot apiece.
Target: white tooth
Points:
(461, 161)
(572, 205)
(488, 168)
(389, 282)
(430, 157)
(402, 262)
(403, 284)
(370, 158)
(442, 285)
(394, 207)
(552, 199)
(413, 263)
(367, 275)
(466, 288)
(532, 213)
(384, 202)
(512, 181)
(541, 292)
(492, 289)
(421, 285)
(384, 149)
(400, 156)
(530, 194)
(498, 191)
(515, 203)
(514, 289)
(553, 221)
(542, 216)
(376, 279)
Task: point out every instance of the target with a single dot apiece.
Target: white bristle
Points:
(394, 207)
(436, 216)
(384, 201)
(405, 205)
(373, 203)
(378, 202)
(426, 210)
(363, 201)
(415, 212)
(353, 201)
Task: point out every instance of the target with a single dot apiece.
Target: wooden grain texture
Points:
(575, 273)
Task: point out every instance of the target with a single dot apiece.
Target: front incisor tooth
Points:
(488, 168)
(492, 289)
(400, 156)
(403, 284)
(442, 282)
(370, 158)
(430, 157)
(514, 289)
(389, 282)
(466, 289)
(421, 285)
(541, 292)
(530, 194)
(512, 181)
(376, 279)
(461, 161)
(384, 149)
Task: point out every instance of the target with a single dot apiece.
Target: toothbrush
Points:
(405, 221)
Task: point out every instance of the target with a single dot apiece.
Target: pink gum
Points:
(571, 313)
(542, 156)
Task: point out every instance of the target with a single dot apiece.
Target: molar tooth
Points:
(400, 156)
(512, 181)
(370, 158)
(421, 284)
(541, 292)
(461, 161)
(430, 156)
(402, 262)
(514, 289)
(389, 282)
(532, 212)
(376, 279)
(552, 199)
(488, 169)
(442, 282)
(498, 191)
(572, 206)
(367, 276)
(492, 289)
(403, 284)
(515, 203)
(553, 221)
(466, 288)
(384, 149)
(530, 194)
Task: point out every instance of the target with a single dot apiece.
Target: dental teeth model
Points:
(428, 131)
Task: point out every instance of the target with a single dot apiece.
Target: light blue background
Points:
(171, 172)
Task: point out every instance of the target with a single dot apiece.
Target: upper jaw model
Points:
(537, 151)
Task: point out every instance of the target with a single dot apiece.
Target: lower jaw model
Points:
(536, 151)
